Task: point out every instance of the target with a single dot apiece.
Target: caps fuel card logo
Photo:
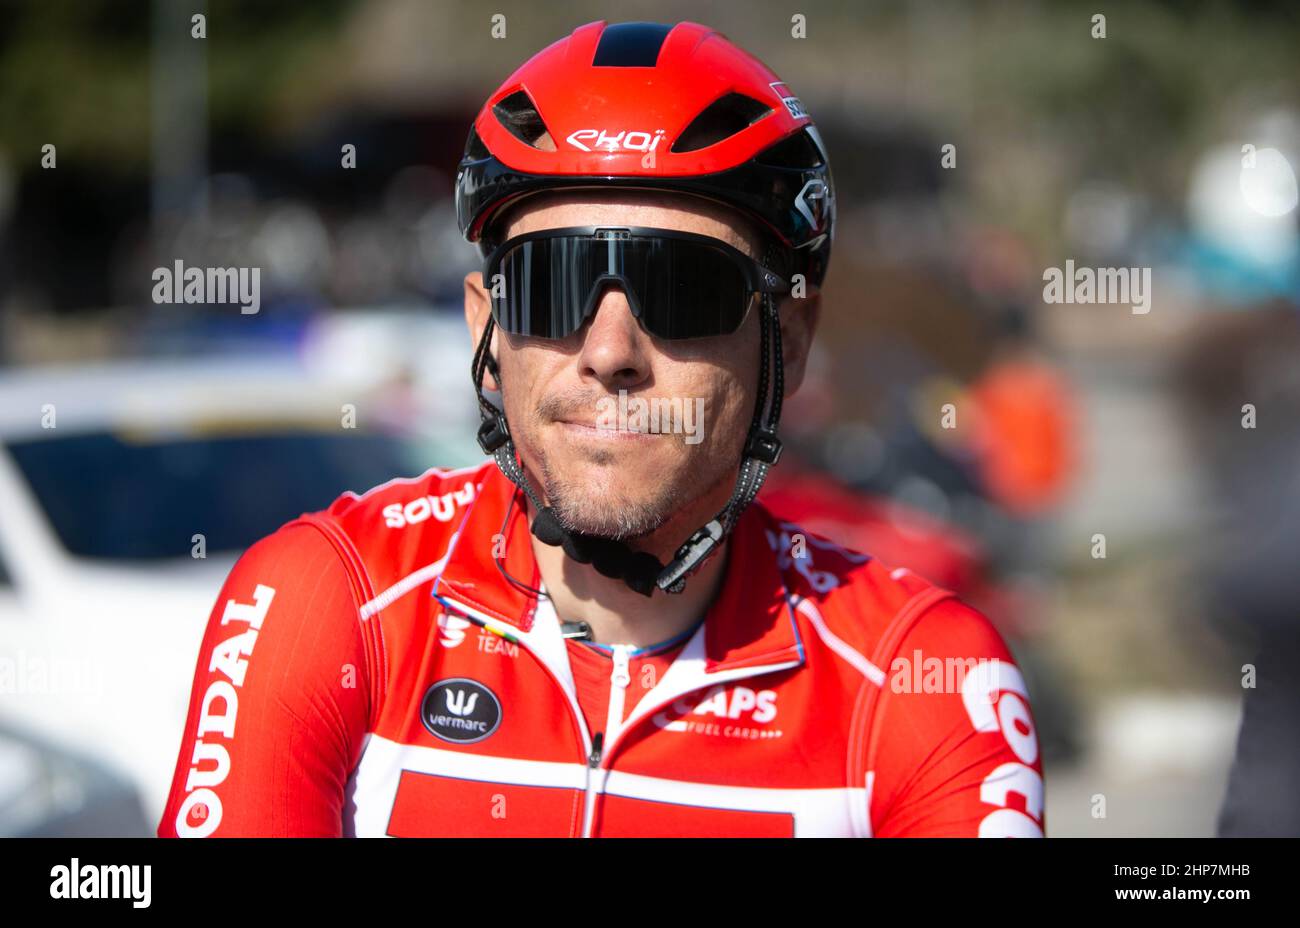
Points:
(460, 711)
(722, 712)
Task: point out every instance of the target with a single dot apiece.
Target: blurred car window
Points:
(113, 497)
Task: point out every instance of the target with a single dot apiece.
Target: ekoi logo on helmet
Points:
(623, 140)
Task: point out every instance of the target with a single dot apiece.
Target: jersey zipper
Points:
(590, 747)
(619, 678)
(596, 749)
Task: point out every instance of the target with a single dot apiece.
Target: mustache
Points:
(574, 405)
(569, 404)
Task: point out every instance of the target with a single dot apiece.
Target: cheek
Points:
(729, 392)
(724, 372)
(518, 382)
(731, 411)
(737, 377)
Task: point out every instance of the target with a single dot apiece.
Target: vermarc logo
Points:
(460, 710)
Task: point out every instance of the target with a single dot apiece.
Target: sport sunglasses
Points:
(678, 284)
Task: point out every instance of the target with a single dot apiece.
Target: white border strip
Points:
(408, 583)
(829, 812)
(837, 644)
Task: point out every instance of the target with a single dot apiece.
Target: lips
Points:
(590, 429)
(583, 424)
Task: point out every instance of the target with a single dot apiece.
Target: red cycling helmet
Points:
(660, 107)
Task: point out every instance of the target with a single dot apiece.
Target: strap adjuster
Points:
(493, 433)
(763, 445)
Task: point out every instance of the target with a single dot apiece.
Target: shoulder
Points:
(861, 600)
(318, 576)
(398, 526)
(943, 732)
(372, 539)
(435, 495)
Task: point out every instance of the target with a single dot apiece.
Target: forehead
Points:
(654, 209)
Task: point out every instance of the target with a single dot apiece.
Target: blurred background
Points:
(1099, 495)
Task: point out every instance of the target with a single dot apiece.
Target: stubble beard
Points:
(616, 515)
(613, 512)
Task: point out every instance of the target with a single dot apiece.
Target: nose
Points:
(615, 350)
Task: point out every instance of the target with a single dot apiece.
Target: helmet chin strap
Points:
(640, 570)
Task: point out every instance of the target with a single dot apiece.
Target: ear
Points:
(478, 309)
(798, 325)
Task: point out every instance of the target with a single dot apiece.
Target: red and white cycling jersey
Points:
(369, 670)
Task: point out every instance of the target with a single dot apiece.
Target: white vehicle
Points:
(109, 475)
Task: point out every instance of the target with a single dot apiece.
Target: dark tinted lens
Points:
(545, 283)
(684, 289)
(687, 289)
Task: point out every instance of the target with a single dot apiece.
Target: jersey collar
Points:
(750, 624)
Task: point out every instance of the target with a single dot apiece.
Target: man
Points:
(599, 634)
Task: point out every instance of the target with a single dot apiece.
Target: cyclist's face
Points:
(622, 430)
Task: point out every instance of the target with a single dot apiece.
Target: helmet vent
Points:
(721, 119)
(798, 151)
(518, 115)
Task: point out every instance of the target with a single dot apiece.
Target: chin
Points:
(608, 501)
(614, 467)
(622, 488)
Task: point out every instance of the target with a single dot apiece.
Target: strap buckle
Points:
(691, 556)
